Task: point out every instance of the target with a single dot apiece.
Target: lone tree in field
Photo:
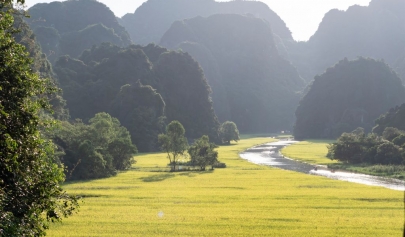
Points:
(202, 153)
(174, 143)
(229, 132)
(30, 192)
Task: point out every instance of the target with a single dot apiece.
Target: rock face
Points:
(349, 95)
(72, 26)
(252, 84)
(154, 17)
(376, 31)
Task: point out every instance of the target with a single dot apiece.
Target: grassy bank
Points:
(242, 200)
(314, 152)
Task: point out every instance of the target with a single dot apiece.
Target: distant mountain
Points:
(141, 86)
(252, 84)
(154, 17)
(376, 31)
(349, 95)
(70, 27)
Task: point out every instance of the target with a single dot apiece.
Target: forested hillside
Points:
(349, 95)
(395, 118)
(70, 27)
(141, 86)
(376, 31)
(252, 84)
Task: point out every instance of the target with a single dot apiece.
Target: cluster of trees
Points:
(201, 152)
(96, 150)
(348, 95)
(357, 147)
(30, 177)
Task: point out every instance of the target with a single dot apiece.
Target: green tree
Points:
(95, 150)
(229, 132)
(202, 153)
(30, 192)
(174, 143)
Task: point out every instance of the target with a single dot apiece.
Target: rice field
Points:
(242, 200)
(311, 151)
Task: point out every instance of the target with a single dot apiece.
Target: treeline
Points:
(357, 147)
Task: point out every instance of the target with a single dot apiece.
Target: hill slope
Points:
(252, 84)
(376, 31)
(154, 17)
(349, 95)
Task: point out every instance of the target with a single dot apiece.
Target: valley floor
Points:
(242, 200)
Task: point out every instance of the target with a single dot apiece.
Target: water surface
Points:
(269, 154)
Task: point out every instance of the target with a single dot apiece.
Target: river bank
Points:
(314, 152)
(269, 154)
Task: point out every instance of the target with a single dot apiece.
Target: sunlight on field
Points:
(242, 200)
(311, 151)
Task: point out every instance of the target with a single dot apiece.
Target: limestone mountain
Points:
(141, 86)
(252, 84)
(70, 27)
(154, 17)
(376, 31)
(349, 95)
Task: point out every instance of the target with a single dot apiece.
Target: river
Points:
(269, 154)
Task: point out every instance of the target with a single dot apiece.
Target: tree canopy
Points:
(30, 192)
(229, 132)
(173, 142)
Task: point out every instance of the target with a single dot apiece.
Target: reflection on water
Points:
(269, 154)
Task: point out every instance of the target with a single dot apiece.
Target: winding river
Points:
(269, 154)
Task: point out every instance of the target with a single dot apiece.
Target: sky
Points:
(301, 16)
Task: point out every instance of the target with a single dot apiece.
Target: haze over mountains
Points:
(256, 71)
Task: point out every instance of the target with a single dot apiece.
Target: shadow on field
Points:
(157, 177)
(195, 173)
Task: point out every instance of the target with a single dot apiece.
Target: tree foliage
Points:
(202, 153)
(96, 150)
(229, 132)
(174, 143)
(30, 192)
(356, 148)
(395, 117)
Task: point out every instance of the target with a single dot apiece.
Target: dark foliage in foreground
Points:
(30, 192)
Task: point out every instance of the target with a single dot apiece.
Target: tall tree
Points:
(30, 194)
(229, 132)
(202, 153)
(174, 143)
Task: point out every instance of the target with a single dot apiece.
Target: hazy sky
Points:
(301, 16)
